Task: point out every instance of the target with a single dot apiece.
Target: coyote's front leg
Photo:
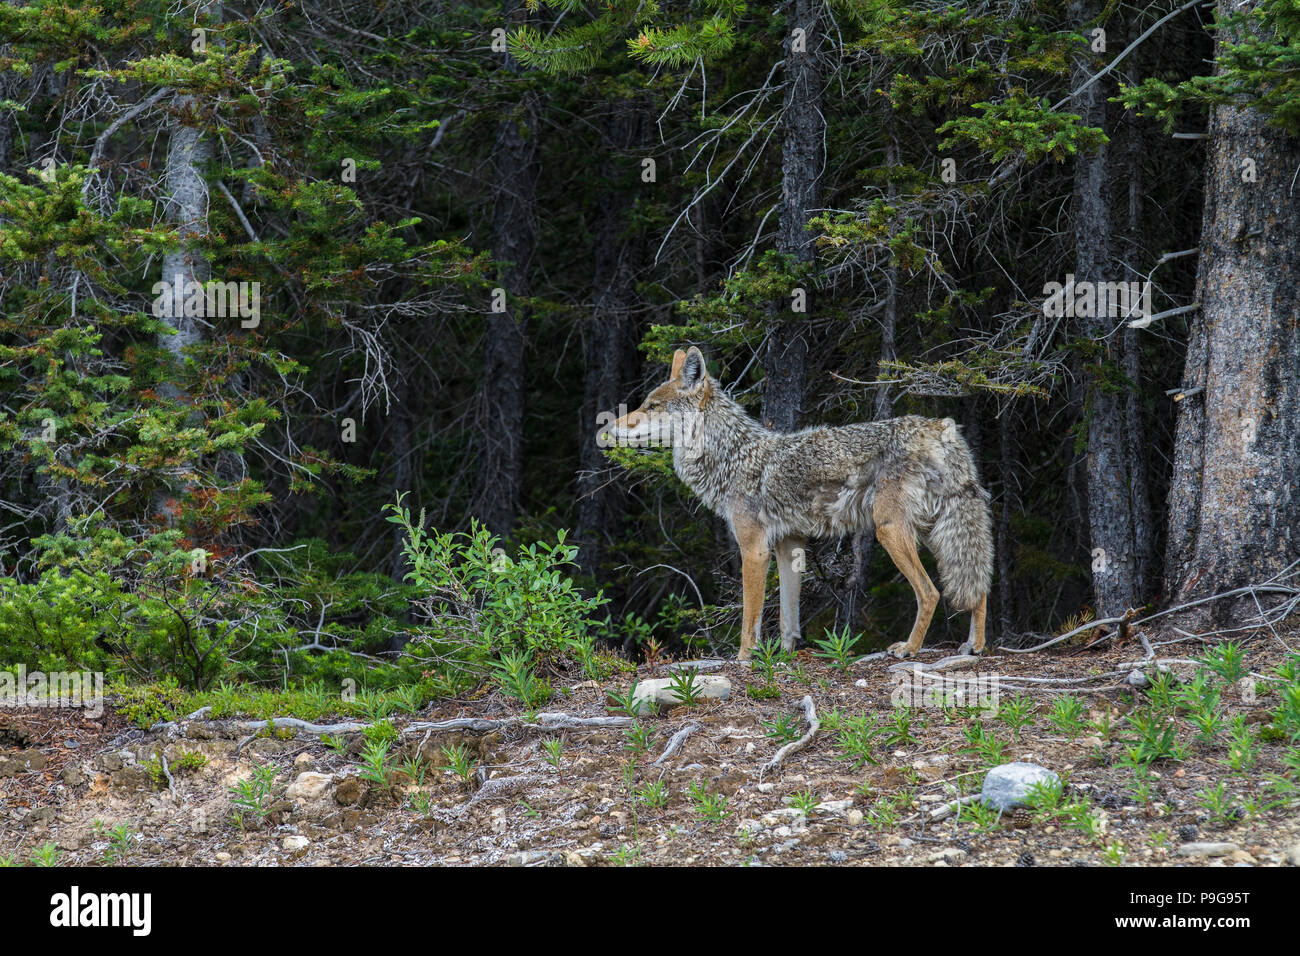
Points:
(790, 565)
(756, 558)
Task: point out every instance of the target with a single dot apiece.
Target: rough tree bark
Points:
(1234, 510)
(1114, 546)
(514, 241)
(1130, 149)
(802, 164)
(188, 152)
(610, 333)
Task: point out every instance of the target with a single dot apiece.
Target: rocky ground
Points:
(79, 791)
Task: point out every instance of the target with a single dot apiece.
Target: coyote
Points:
(905, 478)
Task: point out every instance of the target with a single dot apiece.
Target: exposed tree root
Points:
(230, 728)
(814, 725)
(676, 742)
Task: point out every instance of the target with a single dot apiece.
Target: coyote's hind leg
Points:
(897, 537)
(975, 645)
(756, 558)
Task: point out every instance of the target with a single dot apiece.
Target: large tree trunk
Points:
(803, 161)
(514, 241)
(1130, 148)
(1110, 466)
(188, 152)
(610, 334)
(1234, 510)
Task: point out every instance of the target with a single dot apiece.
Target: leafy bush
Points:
(488, 612)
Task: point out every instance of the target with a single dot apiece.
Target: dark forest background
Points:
(473, 228)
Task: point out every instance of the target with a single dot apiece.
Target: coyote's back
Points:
(823, 482)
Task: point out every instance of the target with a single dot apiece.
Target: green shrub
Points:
(487, 612)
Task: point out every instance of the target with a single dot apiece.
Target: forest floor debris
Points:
(859, 780)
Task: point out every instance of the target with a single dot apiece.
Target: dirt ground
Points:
(69, 781)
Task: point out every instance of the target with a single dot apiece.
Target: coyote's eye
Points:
(653, 406)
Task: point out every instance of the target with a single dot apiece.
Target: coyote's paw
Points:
(968, 650)
(901, 650)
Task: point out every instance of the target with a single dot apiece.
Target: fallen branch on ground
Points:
(675, 743)
(948, 809)
(1063, 637)
(814, 725)
(548, 721)
(1265, 618)
(497, 787)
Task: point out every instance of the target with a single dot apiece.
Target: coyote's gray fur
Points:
(905, 478)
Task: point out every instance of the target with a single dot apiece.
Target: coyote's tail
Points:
(962, 536)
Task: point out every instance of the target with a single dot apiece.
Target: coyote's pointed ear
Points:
(693, 370)
(678, 360)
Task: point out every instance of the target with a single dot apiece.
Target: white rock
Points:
(293, 844)
(1207, 849)
(1008, 786)
(949, 854)
(310, 786)
(659, 693)
(789, 815)
(697, 666)
(833, 807)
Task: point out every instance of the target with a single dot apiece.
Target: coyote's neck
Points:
(719, 448)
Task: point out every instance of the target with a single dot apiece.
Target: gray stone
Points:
(789, 815)
(1293, 855)
(659, 693)
(1207, 849)
(833, 807)
(949, 854)
(1008, 786)
(697, 666)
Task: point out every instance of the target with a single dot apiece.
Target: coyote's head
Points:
(670, 411)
